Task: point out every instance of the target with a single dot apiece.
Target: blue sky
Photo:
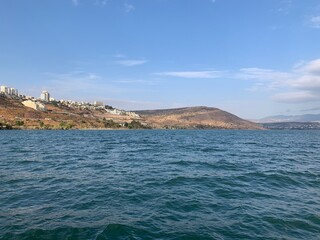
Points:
(252, 58)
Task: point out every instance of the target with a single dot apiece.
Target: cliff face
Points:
(195, 118)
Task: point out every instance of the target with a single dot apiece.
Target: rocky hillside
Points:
(195, 118)
(57, 116)
(14, 114)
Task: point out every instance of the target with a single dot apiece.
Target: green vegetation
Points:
(65, 125)
(5, 126)
(55, 103)
(110, 124)
(41, 124)
(19, 123)
(136, 125)
(47, 127)
(108, 107)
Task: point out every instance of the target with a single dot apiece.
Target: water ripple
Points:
(160, 185)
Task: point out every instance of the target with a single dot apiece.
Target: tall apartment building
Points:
(8, 90)
(45, 96)
(4, 89)
(14, 91)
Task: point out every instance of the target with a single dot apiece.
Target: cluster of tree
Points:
(109, 107)
(131, 125)
(19, 123)
(110, 124)
(136, 125)
(65, 125)
(5, 126)
(44, 126)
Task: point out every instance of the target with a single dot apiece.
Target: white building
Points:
(34, 105)
(14, 91)
(4, 89)
(45, 96)
(98, 103)
(8, 90)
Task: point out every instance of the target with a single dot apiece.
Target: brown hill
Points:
(195, 118)
(57, 116)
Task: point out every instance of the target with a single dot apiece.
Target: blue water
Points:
(159, 184)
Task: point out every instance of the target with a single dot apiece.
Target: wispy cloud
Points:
(261, 74)
(119, 55)
(315, 21)
(192, 74)
(285, 6)
(101, 2)
(75, 2)
(128, 7)
(296, 97)
(80, 85)
(137, 81)
(311, 109)
(131, 62)
(301, 84)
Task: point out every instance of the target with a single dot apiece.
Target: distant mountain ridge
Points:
(290, 118)
(292, 126)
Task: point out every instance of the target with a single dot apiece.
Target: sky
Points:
(251, 58)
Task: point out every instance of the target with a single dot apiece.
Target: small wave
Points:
(125, 232)
(54, 234)
(120, 231)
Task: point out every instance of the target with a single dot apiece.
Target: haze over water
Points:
(160, 184)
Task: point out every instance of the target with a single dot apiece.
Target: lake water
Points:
(160, 184)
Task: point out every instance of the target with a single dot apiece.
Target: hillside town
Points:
(18, 111)
(45, 97)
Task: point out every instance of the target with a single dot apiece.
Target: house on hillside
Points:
(34, 105)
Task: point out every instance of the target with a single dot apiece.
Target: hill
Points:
(195, 118)
(61, 116)
(58, 116)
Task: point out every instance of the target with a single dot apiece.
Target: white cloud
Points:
(285, 7)
(311, 109)
(296, 97)
(307, 82)
(93, 2)
(136, 81)
(75, 2)
(101, 2)
(119, 55)
(262, 74)
(312, 67)
(131, 63)
(315, 21)
(301, 84)
(192, 74)
(79, 85)
(128, 7)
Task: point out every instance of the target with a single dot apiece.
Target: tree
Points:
(19, 123)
